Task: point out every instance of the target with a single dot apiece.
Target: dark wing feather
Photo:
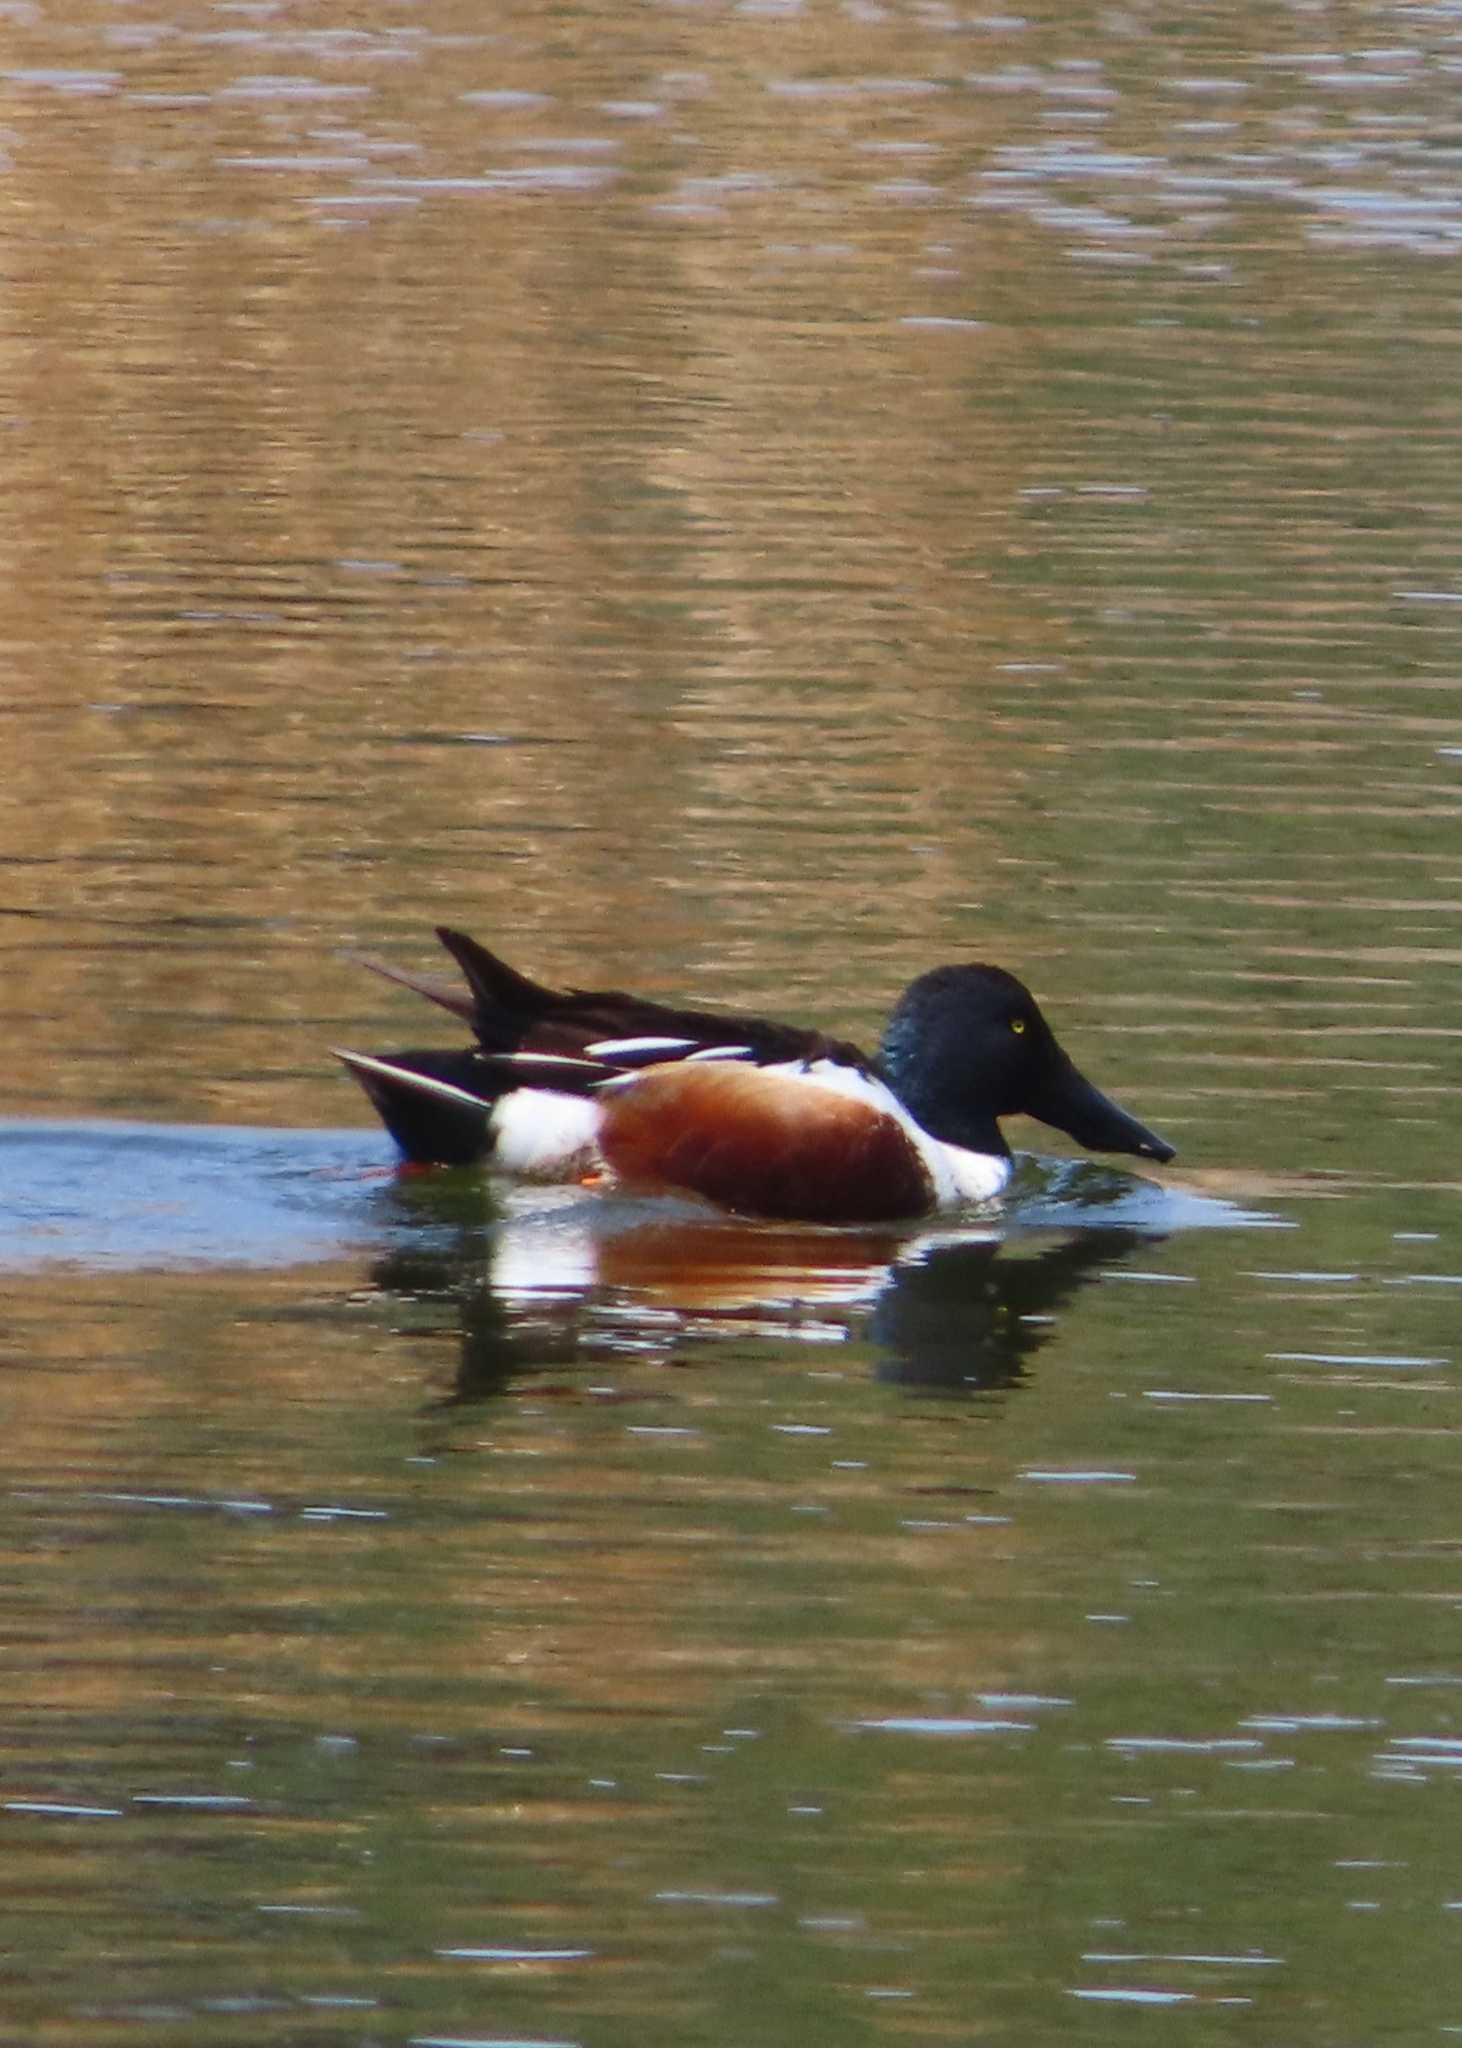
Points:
(509, 1012)
(497, 989)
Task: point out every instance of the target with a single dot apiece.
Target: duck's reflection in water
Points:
(575, 1283)
(965, 1318)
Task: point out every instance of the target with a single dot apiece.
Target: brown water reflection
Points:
(799, 528)
(460, 1624)
(747, 503)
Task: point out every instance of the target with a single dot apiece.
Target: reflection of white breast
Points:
(665, 1259)
(544, 1253)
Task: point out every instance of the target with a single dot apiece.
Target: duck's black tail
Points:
(499, 992)
(432, 1103)
(438, 1106)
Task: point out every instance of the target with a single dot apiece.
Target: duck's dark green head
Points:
(966, 1046)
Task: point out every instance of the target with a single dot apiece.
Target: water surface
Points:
(744, 503)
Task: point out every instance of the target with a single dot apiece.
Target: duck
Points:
(756, 1117)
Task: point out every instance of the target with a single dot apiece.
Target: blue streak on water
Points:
(136, 1195)
(139, 1196)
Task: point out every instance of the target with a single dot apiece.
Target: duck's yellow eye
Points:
(1017, 1025)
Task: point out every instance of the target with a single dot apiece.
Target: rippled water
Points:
(746, 503)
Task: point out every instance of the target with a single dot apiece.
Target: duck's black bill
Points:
(1071, 1104)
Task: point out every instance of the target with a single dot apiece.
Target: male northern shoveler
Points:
(763, 1118)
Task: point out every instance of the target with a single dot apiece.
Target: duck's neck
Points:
(953, 1123)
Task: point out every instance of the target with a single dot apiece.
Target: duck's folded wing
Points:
(509, 1011)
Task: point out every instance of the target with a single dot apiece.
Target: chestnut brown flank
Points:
(764, 1144)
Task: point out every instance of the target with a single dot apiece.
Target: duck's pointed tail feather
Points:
(495, 992)
(445, 993)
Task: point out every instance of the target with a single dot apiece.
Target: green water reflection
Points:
(745, 504)
(672, 1670)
